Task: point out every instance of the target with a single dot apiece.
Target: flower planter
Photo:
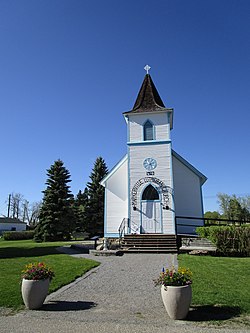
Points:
(34, 292)
(177, 300)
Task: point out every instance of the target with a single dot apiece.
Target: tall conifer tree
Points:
(95, 209)
(80, 207)
(56, 220)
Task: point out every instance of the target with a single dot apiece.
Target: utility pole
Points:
(9, 205)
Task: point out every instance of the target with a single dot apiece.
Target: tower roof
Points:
(148, 99)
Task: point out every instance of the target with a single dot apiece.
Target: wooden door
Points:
(151, 217)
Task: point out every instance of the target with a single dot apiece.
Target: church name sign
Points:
(162, 188)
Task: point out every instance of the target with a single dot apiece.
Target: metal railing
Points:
(122, 228)
(211, 221)
(221, 221)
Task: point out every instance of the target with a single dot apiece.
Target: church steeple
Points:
(149, 100)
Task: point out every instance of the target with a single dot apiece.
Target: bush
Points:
(229, 240)
(18, 235)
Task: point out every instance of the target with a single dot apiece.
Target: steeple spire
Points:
(149, 100)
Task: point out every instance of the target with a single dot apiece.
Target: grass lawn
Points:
(220, 284)
(219, 281)
(14, 255)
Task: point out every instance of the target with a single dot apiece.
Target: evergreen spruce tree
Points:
(95, 209)
(56, 218)
(80, 207)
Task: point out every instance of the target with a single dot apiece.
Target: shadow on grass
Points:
(212, 312)
(68, 306)
(15, 252)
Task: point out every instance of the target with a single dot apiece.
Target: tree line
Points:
(232, 207)
(60, 213)
(22, 209)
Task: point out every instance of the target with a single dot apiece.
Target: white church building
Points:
(152, 186)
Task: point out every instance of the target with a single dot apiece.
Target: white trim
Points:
(170, 110)
(113, 170)
(148, 142)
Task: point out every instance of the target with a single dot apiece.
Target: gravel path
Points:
(117, 296)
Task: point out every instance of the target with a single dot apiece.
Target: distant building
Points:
(152, 184)
(10, 224)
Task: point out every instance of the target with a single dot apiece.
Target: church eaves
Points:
(148, 99)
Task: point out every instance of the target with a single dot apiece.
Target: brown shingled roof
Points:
(148, 99)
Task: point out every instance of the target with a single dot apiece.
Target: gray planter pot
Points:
(34, 293)
(177, 300)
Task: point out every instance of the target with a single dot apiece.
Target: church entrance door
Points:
(150, 211)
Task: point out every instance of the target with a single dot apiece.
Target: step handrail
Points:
(122, 227)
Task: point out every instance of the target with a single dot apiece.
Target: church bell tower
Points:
(150, 174)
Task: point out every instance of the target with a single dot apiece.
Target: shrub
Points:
(229, 240)
(18, 235)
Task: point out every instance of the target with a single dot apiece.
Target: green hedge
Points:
(229, 240)
(18, 235)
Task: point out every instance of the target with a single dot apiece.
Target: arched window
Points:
(148, 131)
(150, 193)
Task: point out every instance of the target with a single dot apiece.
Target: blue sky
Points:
(68, 69)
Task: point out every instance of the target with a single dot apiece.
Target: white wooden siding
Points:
(160, 123)
(116, 192)
(9, 226)
(162, 154)
(187, 196)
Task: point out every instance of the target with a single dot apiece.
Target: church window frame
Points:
(148, 130)
(152, 196)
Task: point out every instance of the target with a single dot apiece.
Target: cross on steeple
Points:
(147, 68)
